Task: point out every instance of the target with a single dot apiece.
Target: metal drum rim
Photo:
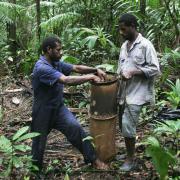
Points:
(106, 83)
(100, 119)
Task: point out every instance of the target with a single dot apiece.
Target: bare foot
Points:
(98, 164)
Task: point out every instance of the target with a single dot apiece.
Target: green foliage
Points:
(10, 148)
(107, 67)
(96, 35)
(70, 59)
(160, 156)
(174, 95)
(170, 128)
(68, 171)
(82, 104)
(58, 20)
(170, 62)
(91, 45)
(163, 156)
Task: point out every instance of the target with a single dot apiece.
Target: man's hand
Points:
(128, 74)
(102, 75)
(95, 78)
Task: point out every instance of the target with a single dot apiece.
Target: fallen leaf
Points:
(15, 100)
(10, 58)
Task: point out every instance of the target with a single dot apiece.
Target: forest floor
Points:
(60, 156)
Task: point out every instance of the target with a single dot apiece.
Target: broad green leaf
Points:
(84, 41)
(108, 67)
(152, 141)
(92, 41)
(161, 159)
(22, 147)
(168, 127)
(20, 132)
(27, 136)
(70, 59)
(17, 162)
(5, 145)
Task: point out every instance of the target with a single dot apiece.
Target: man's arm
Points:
(152, 65)
(150, 69)
(131, 72)
(86, 70)
(75, 80)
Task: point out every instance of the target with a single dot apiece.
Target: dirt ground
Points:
(60, 156)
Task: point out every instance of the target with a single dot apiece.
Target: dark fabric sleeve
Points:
(49, 75)
(66, 68)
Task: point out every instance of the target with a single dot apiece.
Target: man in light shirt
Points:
(137, 67)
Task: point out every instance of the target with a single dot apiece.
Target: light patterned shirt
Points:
(139, 89)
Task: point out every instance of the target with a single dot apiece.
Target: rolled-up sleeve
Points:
(151, 67)
(66, 68)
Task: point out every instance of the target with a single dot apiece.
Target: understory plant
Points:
(163, 147)
(13, 153)
(174, 95)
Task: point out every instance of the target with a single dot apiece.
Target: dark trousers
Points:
(66, 123)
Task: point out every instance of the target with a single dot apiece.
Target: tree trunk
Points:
(174, 19)
(38, 19)
(143, 6)
(143, 12)
(11, 34)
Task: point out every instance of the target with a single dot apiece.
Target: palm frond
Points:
(9, 6)
(63, 18)
(9, 11)
(43, 4)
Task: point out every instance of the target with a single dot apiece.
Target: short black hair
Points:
(129, 20)
(50, 42)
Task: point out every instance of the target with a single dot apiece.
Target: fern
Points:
(57, 20)
(9, 6)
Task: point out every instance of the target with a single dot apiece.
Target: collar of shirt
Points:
(43, 58)
(137, 41)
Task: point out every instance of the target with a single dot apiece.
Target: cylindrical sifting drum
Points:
(103, 111)
(103, 132)
(104, 96)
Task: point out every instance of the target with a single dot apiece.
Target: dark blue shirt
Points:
(46, 87)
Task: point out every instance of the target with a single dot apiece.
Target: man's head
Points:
(128, 26)
(51, 47)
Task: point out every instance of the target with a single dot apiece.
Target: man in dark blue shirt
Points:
(49, 111)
